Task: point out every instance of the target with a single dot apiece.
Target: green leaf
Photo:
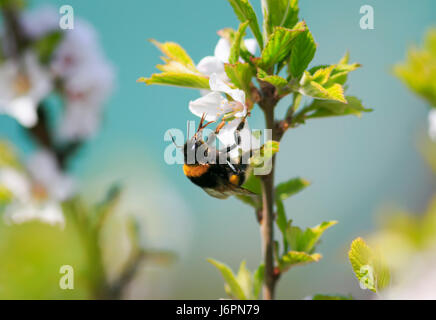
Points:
(287, 189)
(368, 266)
(265, 153)
(418, 72)
(175, 53)
(240, 74)
(252, 184)
(46, 45)
(245, 281)
(306, 240)
(295, 258)
(244, 11)
(282, 221)
(314, 89)
(302, 54)
(331, 297)
(279, 13)
(234, 289)
(279, 82)
(279, 46)
(189, 80)
(236, 45)
(258, 276)
(328, 108)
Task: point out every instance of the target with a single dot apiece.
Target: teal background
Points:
(355, 165)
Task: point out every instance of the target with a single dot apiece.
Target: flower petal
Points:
(209, 65)
(211, 105)
(216, 84)
(222, 50)
(432, 124)
(251, 45)
(24, 110)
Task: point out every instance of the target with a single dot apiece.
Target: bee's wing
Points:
(227, 191)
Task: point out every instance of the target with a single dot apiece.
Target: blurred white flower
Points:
(48, 212)
(28, 202)
(39, 22)
(45, 172)
(417, 281)
(79, 63)
(432, 124)
(215, 64)
(23, 84)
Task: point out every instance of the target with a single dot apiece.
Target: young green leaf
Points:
(287, 189)
(314, 89)
(245, 280)
(236, 45)
(240, 74)
(244, 11)
(306, 240)
(258, 280)
(189, 80)
(279, 46)
(264, 154)
(329, 108)
(279, 13)
(282, 222)
(302, 54)
(176, 53)
(234, 289)
(295, 258)
(279, 82)
(368, 265)
(418, 72)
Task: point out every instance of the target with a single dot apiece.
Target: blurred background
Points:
(357, 166)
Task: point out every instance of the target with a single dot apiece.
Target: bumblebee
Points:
(215, 173)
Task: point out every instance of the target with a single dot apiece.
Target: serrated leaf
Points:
(316, 90)
(277, 81)
(279, 13)
(235, 289)
(295, 258)
(189, 80)
(244, 11)
(368, 266)
(287, 189)
(302, 54)
(279, 46)
(240, 74)
(176, 53)
(306, 240)
(236, 44)
(327, 108)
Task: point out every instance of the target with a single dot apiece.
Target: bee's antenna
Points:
(174, 141)
(200, 126)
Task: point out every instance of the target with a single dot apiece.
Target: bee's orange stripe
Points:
(195, 170)
(234, 179)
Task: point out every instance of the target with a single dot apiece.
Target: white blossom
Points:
(23, 84)
(432, 124)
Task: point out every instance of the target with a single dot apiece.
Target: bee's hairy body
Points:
(219, 180)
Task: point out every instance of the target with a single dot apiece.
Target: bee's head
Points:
(191, 146)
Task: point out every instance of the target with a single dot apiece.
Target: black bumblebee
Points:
(213, 170)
